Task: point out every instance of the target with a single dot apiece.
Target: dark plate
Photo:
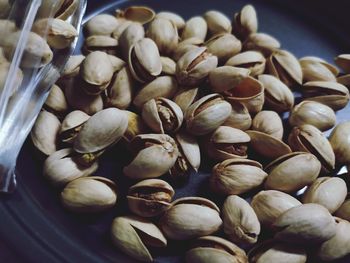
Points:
(35, 228)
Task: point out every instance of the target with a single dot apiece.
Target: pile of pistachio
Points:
(170, 90)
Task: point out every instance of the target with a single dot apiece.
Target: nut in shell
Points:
(262, 42)
(105, 44)
(339, 140)
(186, 97)
(268, 122)
(195, 27)
(239, 117)
(344, 210)
(136, 126)
(315, 69)
(168, 66)
(56, 101)
(174, 18)
(71, 125)
(252, 60)
(103, 24)
(245, 22)
(217, 22)
(343, 61)
(133, 33)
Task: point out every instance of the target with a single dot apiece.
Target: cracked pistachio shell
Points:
(227, 77)
(72, 67)
(186, 97)
(182, 48)
(105, 44)
(273, 251)
(140, 14)
(212, 249)
(56, 101)
(332, 94)
(101, 130)
(217, 22)
(224, 46)
(194, 66)
(45, 131)
(60, 168)
(343, 61)
(329, 192)
(340, 142)
(267, 145)
(311, 112)
(136, 126)
(207, 114)
(162, 115)
(67, 8)
(305, 224)
(103, 24)
(268, 122)
(241, 224)
(252, 60)
(249, 92)
(189, 218)
(89, 194)
(131, 35)
(144, 60)
(292, 171)
(133, 235)
(344, 210)
(164, 86)
(168, 66)
(284, 65)
(150, 197)
(245, 22)
(239, 117)
(195, 27)
(71, 125)
(308, 138)
(236, 176)
(164, 33)
(226, 143)
(174, 18)
(278, 96)
(270, 204)
(262, 42)
(155, 155)
(316, 70)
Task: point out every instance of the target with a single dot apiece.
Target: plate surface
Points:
(33, 223)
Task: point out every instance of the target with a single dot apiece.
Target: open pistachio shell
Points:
(190, 149)
(186, 97)
(268, 122)
(252, 60)
(140, 14)
(72, 124)
(316, 70)
(343, 61)
(262, 42)
(245, 22)
(239, 117)
(133, 33)
(217, 22)
(67, 8)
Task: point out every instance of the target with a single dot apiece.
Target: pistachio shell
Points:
(224, 46)
(252, 60)
(121, 28)
(105, 44)
(195, 27)
(344, 79)
(168, 66)
(132, 34)
(66, 9)
(331, 67)
(175, 18)
(239, 117)
(56, 101)
(140, 14)
(344, 210)
(103, 24)
(190, 149)
(136, 126)
(72, 124)
(339, 140)
(181, 49)
(268, 122)
(245, 22)
(343, 61)
(262, 42)
(217, 22)
(186, 97)
(315, 70)
(72, 66)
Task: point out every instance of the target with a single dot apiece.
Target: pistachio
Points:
(343, 61)
(332, 94)
(270, 204)
(61, 168)
(155, 155)
(245, 22)
(103, 24)
(89, 194)
(305, 224)
(45, 131)
(124, 25)
(240, 221)
(330, 66)
(311, 112)
(72, 67)
(268, 122)
(262, 42)
(339, 140)
(308, 138)
(131, 35)
(140, 14)
(177, 20)
(56, 101)
(252, 60)
(150, 197)
(239, 117)
(7, 27)
(226, 77)
(315, 70)
(136, 126)
(217, 22)
(105, 44)
(327, 191)
(67, 8)
(182, 48)
(236, 176)
(194, 66)
(278, 96)
(292, 172)
(186, 97)
(344, 80)
(71, 125)
(344, 210)
(190, 217)
(5, 8)
(133, 234)
(195, 27)
(212, 249)
(168, 66)
(18, 77)
(207, 114)
(226, 143)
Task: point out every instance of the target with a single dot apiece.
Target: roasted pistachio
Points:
(103, 24)
(315, 69)
(343, 61)
(195, 27)
(252, 60)
(239, 117)
(339, 140)
(268, 122)
(186, 97)
(71, 125)
(175, 18)
(226, 78)
(262, 42)
(245, 22)
(217, 22)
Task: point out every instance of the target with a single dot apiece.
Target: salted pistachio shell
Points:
(330, 93)
(245, 22)
(106, 44)
(164, 86)
(239, 117)
(224, 46)
(270, 204)
(61, 168)
(291, 172)
(207, 114)
(217, 22)
(268, 122)
(168, 66)
(155, 155)
(195, 27)
(45, 131)
(262, 42)
(71, 125)
(212, 249)
(162, 115)
(132, 34)
(56, 101)
(343, 61)
(241, 224)
(150, 197)
(186, 97)
(175, 18)
(89, 194)
(133, 234)
(344, 210)
(249, 92)
(194, 66)
(72, 67)
(101, 130)
(226, 143)
(227, 77)
(273, 251)
(236, 176)
(103, 24)
(327, 191)
(278, 96)
(189, 218)
(252, 60)
(305, 224)
(136, 126)
(316, 70)
(308, 138)
(311, 112)
(339, 140)
(140, 14)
